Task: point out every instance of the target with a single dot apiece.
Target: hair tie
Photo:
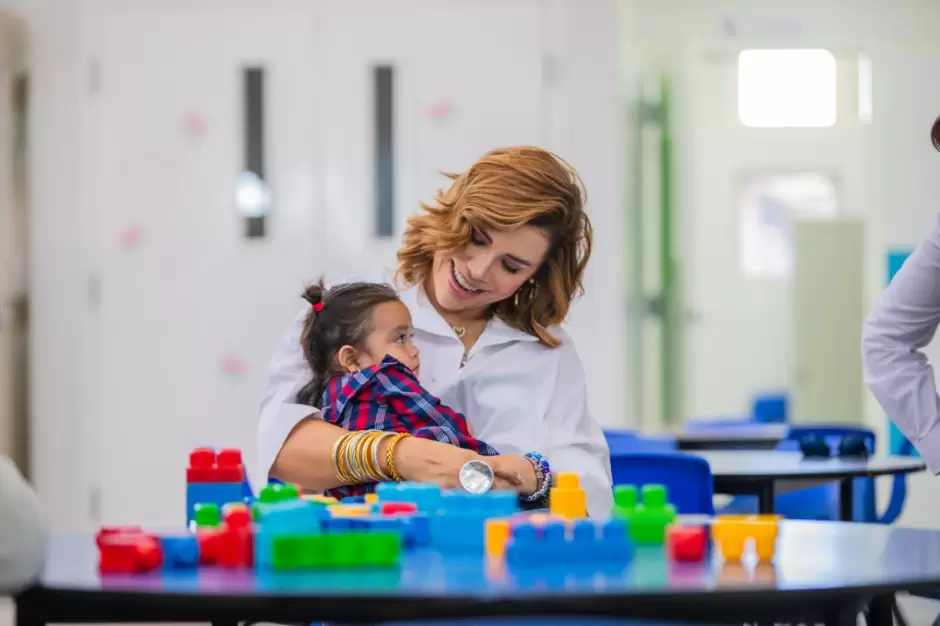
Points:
(318, 307)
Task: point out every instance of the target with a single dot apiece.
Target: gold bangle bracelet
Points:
(390, 456)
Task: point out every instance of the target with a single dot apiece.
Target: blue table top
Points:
(810, 556)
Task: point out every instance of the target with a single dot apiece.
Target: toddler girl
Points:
(357, 340)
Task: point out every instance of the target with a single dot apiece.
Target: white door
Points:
(454, 98)
(829, 309)
(738, 335)
(189, 307)
(13, 243)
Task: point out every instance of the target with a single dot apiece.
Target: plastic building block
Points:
(207, 515)
(123, 551)
(371, 498)
(208, 540)
(496, 536)
(426, 497)
(732, 533)
(567, 499)
(207, 466)
(580, 542)
(459, 522)
(346, 549)
(180, 552)
(318, 499)
(393, 508)
(277, 492)
(687, 543)
(218, 494)
(646, 520)
(349, 510)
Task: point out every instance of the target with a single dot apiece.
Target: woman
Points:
(488, 271)
(22, 534)
(902, 324)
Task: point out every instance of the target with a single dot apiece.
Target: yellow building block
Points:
(567, 499)
(350, 510)
(320, 499)
(372, 498)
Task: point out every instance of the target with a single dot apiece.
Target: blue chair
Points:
(687, 477)
(770, 408)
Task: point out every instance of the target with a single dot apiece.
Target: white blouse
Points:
(517, 394)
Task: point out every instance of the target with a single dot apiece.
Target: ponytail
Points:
(310, 393)
(341, 316)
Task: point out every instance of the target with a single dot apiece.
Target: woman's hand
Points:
(427, 461)
(518, 466)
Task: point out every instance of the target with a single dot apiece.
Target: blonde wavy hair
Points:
(503, 190)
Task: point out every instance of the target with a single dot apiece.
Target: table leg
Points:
(26, 617)
(766, 498)
(881, 611)
(846, 500)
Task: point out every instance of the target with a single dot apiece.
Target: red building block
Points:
(128, 551)
(687, 543)
(209, 540)
(205, 466)
(394, 508)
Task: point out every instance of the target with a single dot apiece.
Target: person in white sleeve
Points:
(488, 271)
(901, 325)
(22, 532)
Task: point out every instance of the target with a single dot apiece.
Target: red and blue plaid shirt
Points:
(389, 397)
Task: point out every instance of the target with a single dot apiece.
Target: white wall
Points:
(125, 383)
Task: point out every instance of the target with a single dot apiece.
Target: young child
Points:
(357, 341)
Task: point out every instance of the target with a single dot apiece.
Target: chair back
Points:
(687, 477)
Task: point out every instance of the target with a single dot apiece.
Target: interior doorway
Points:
(14, 237)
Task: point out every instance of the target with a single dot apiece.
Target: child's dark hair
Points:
(338, 317)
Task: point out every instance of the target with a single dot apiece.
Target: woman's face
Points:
(489, 269)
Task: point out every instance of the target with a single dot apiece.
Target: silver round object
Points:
(476, 476)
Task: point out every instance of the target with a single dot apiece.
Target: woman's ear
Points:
(348, 359)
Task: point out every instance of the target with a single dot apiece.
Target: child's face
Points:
(392, 336)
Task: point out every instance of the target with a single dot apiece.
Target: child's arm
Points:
(398, 386)
(22, 533)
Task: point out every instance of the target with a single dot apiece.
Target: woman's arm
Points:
(22, 533)
(577, 440)
(903, 321)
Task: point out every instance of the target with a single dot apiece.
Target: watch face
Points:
(476, 476)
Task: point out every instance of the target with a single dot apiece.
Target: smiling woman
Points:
(488, 271)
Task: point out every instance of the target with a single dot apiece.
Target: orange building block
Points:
(567, 499)
(497, 534)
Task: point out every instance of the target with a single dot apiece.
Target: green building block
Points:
(340, 550)
(646, 520)
(207, 515)
(278, 493)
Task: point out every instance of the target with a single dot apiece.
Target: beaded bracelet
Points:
(544, 476)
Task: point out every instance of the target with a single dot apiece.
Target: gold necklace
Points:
(460, 331)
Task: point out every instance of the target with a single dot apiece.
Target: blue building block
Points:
(211, 493)
(460, 521)
(585, 542)
(425, 496)
(180, 552)
(291, 517)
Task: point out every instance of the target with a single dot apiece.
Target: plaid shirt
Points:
(389, 397)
